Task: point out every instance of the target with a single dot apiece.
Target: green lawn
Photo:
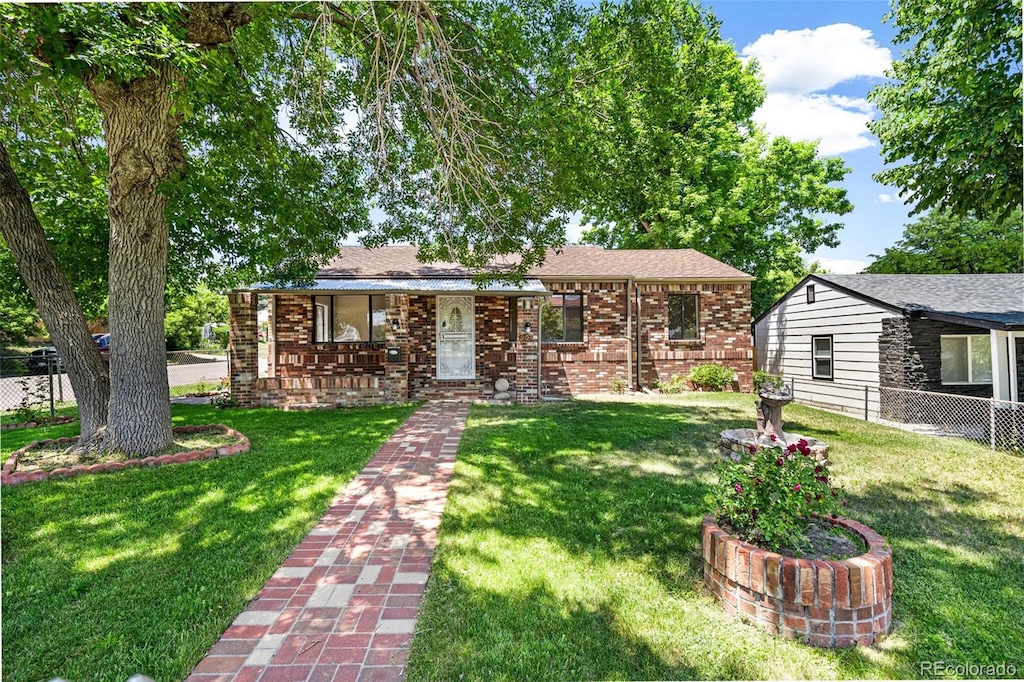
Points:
(570, 548)
(141, 570)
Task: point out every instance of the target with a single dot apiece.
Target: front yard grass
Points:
(570, 548)
(140, 571)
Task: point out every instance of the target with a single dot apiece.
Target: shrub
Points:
(677, 384)
(712, 376)
(617, 385)
(768, 498)
(765, 379)
(222, 333)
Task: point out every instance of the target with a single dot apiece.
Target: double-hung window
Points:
(821, 357)
(349, 319)
(966, 359)
(682, 317)
(561, 318)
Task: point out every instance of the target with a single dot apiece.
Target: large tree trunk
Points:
(141, 133)
(56, 302)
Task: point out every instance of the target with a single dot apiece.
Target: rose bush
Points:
(770, 497)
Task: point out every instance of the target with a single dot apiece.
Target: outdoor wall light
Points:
(395, 324)
(527, 327)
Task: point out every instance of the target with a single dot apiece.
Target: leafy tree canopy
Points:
(674, 159)
(951, 119)
(941, 243)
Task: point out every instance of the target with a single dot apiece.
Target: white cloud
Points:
(798, 66)
(839, 122)
(885, 199)
(841, 266)
(574, 229)
(812, 60)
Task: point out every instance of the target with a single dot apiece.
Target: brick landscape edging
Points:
(825, 603)
(32, 425)
(8, 476)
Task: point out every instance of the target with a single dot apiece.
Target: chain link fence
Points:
(35, 386)
(996, 423)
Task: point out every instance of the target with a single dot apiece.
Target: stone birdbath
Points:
(735, 443)
(769, 411)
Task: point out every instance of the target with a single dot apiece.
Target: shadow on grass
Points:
(141, 570)
(958, 574)
(624, 485)
(540, 637)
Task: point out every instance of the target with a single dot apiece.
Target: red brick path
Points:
(344, 604)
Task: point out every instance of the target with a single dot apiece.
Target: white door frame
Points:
(467, 334)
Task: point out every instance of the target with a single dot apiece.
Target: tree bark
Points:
(141, 131)
(56, 302)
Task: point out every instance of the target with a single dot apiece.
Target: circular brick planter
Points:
(10, 476)
(824, 603)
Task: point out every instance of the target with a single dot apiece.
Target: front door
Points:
(456, 347)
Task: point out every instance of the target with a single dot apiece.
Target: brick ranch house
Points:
(378, 326)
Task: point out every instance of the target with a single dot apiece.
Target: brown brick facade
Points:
(494, 354)
(724, 321)
(603, 355)
(612, 316)
(615, 315)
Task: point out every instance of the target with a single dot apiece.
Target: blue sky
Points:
(819, 60)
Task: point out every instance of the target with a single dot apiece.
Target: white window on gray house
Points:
(349, 319)
(966, 359)
(682, 317)
(821, 357)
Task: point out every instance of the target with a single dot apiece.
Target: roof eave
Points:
(969, 321)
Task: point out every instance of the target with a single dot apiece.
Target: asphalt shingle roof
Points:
(567, 262)
(990, 298)
(404, 284)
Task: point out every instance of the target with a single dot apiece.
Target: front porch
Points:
(349, 347)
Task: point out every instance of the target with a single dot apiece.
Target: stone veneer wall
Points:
(603, 355)
(724, 320)
(910, 356)
(495, 357)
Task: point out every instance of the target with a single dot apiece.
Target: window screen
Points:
(821, 357)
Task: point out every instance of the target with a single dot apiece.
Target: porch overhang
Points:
(402, 285)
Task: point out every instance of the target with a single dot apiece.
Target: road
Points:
(12, 390)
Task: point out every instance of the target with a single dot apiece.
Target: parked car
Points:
(40, 359)
(103, 341)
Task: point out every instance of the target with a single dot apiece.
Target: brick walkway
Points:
(344, 604)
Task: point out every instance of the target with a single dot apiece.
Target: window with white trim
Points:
(966, 359)
(821, 357)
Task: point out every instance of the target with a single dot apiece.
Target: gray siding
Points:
(783, 337)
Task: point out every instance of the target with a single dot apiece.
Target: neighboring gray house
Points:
(959, 334)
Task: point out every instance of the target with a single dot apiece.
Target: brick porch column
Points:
(528, 352)
(243, 346)
(396, 374)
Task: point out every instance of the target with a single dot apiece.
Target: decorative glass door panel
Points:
(456, 345)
